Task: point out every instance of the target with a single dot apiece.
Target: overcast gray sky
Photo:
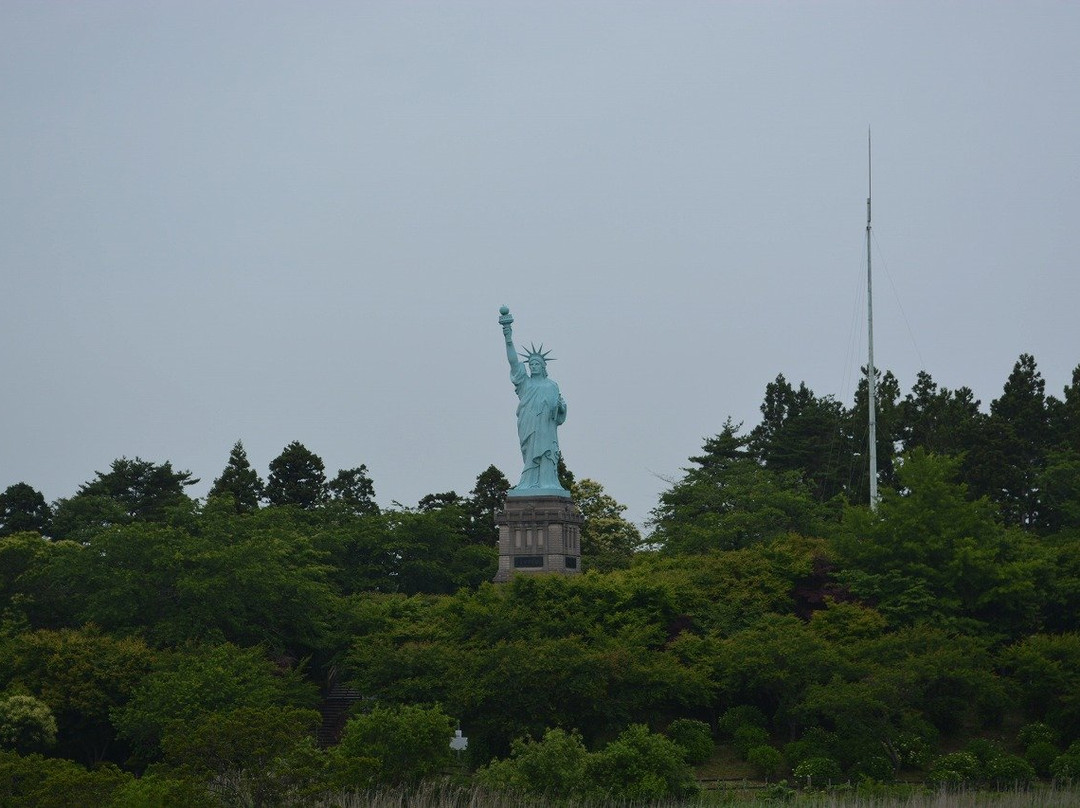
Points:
(278, 221)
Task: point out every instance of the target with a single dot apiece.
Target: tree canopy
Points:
(768, 611)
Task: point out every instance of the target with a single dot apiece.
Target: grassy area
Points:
(443, 796)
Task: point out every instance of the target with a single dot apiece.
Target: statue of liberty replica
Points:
(539, 527)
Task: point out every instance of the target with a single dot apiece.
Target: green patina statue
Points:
(541, 409)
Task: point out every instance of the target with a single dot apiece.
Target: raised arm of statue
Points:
(506, 320)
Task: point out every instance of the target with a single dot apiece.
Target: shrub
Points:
(553, 767)
(1067, 766)
(1041, 755)
(915, 742)
(817, 772)
(157, 790)
(778, 792)
(1037, 732)
(693, 736)
(248, 753)
(954, 770)
(396, 745)
(1009, 771)
(34, 781)
(874, 767)
(913, 749)
(985, 751)
(765, 759)
(639, 766)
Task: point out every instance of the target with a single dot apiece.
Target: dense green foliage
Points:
(156, 649)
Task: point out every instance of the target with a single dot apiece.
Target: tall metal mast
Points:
(871, 375)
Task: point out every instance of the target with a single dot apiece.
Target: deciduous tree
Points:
(260, 755)
(82, 675)
(607, 539)
(191, 684)
(26, 724)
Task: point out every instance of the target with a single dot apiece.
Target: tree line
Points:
(155, 648)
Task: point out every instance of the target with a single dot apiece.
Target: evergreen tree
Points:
(1058, 482)
(1023, 402)
(354, 490)
(435, 502)
(803, 433)
(1011, 454)
(487, 497)
(131, 491)
(145, 489)
(941, 421)
(23, 507)
(732, 501)
(240, 481)
(566, 477)
(888, 427)
(1064, 415)
(297, 477)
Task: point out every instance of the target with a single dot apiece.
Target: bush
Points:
(1038, 732)
(1009, 771)
(778, 792)
(693, 736)
(985, 751)
(156, 790)
(34, 781)
(1067, 766)
(817, 772)
(250, 753)
(766, 760)
(874, 767)
(915, 742)
(552, 767)
(913, 750)
(1041, 755)
(954, 770)
(639, 766)
(394, 745)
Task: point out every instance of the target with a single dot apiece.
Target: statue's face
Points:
(536, 366)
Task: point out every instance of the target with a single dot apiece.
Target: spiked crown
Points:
(534, 351)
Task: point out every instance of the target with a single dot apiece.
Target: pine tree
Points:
(23, 507)
(240, 481)
(1011, 455)
(354, 490)
(487, 497)
(297, 477)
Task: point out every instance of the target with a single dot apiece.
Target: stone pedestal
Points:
(538, 534)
